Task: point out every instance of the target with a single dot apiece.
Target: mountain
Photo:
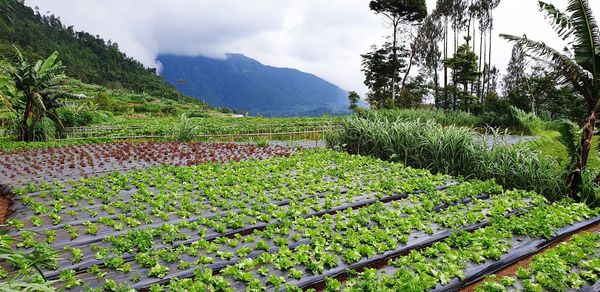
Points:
(244, 84)
(87, 57)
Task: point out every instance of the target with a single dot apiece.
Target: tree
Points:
(397, 13)
(429, 55)
(40, 89)
(354, 99)
(580, 67)
(515, 80)
(382, 71)
(464, 71)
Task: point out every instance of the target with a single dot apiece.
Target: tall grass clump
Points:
(456, 118)
(452, 150)
(185, 129)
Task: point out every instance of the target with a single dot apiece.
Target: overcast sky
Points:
(323, 37)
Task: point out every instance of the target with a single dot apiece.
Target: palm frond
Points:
(561, 22)
(587, 35)
(571, 71)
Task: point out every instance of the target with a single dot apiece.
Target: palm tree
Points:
(40, 87)
(579, 66)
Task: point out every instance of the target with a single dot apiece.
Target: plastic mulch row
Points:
(83, 266)
(478, 272)
(417, 242)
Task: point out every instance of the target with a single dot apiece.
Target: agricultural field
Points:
(571, 265)
(72, 162)
(165, 126)
(302, 221)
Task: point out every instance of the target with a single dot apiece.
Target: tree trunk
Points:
(410, 64)
(395, 24)
(479, 92)
(489, 74)
(576, 178)
(446, 66)
(436, 81)
(26, 129)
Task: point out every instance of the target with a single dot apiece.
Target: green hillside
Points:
(87, 57)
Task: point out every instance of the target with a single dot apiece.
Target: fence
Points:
(306, 132)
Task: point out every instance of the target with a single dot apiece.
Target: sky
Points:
(325, 38)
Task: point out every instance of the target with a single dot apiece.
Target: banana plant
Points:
(42, 89)
(579, 66)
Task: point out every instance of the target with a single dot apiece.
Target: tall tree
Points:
(490, 5)
(381, 71)
(354, 98)
(580, 67)
(429, 55)
(515, 80)
(444, 10)
(40, 86)
(464, 68)
(398, 13)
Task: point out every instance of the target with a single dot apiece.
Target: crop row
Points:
(305, 246)
(212, 198)
(281, 223)
(306, 185)
(447, 261)
(72, 162)
(568, 267)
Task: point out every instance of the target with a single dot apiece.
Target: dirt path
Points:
(512, 270)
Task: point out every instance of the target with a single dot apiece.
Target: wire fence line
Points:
(308, 134)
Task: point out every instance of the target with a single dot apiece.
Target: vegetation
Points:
(571, 265)
(26, 274)
(451, 150)
(308, 215)
(86, 57)
(582, 71)
(40, 89)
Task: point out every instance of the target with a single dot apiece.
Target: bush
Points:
(148, 108)
(71, 118)
(450, 150)
(104, 101)
(199, 114)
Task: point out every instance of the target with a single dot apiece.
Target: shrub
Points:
(148, 108)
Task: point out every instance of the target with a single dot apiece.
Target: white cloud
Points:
(321, 37)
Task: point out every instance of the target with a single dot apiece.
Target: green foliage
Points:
(451, 150)
(464, 71)
(444, 118)
(568, 266)
(27, 275)
(40, 93)
(354, 99)
(412, 10)
(86, 57)
(578, 65)
(185, 130)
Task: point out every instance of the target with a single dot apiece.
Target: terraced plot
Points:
(296, 223)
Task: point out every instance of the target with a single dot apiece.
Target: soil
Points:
(512, 270)
(5, 203)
